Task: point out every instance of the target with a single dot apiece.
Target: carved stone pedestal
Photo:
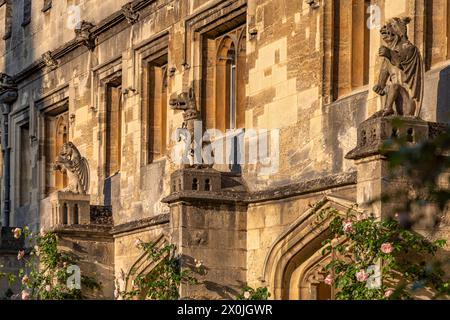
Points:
(208, 224)
(192, 179)
(375, 179)
(68, 208)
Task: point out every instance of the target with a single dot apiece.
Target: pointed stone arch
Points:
(143, 265)
(294, 255)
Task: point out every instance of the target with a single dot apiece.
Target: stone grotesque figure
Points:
(8, 91)
(70, 161)
(7, 83)
(402, 72)
(185, 101)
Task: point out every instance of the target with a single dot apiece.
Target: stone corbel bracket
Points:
(130, 14)
(314, 4)
(50, 62)
(84, 35)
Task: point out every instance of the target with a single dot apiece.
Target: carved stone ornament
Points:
(185, 101)
(50, 62)
(130, 14)
(401, 78)
(314, 4)
(8, 89)
(83, 34)
(70, 161)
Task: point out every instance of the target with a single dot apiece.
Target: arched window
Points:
(113, 126)
(56, 132)
(225, 80)
(226, 85)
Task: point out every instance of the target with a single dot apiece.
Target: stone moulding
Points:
(245, 198)
(84, 232)
(140, 224)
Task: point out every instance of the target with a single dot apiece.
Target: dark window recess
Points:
(8, 20)
(76, 216)
(65, 214)
(26, 12)
(195, 184)
(47, 5)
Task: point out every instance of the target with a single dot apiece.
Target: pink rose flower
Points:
(362, 276)
(138, 243)
(247, 295)
(389, 292)
(329, 280)
(17, 233)
(198, 263)
(25, 279)
(20, 255)
(347, 226)
(48, 288)
(386, 248)
(25, 295)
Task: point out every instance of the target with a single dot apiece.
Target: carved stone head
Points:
(67, 150)
(395, 29)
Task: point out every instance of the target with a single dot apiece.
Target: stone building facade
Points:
(118, 78)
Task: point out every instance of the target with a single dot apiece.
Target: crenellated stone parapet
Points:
(374, 133)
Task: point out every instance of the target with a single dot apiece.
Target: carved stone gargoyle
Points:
(70, 161)
(130, 14)
(8, 89)
(185, 101)
(50, 62)
(401, 78)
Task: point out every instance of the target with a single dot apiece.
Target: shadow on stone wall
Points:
(443, 96)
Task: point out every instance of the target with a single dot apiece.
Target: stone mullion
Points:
(328, 44)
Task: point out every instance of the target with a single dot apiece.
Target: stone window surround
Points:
(18, 119)
(53, 101)
(200, 24)
(103, 75)
(151, 50)
(236, 36)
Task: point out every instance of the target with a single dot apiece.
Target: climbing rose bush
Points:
(44, 274)
(361, 246)
(163, 281)
(249, 293)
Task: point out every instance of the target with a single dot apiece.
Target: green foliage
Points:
(248, 293)
(164, 279)
(403, 256)
(44, 273)
(426, 166)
